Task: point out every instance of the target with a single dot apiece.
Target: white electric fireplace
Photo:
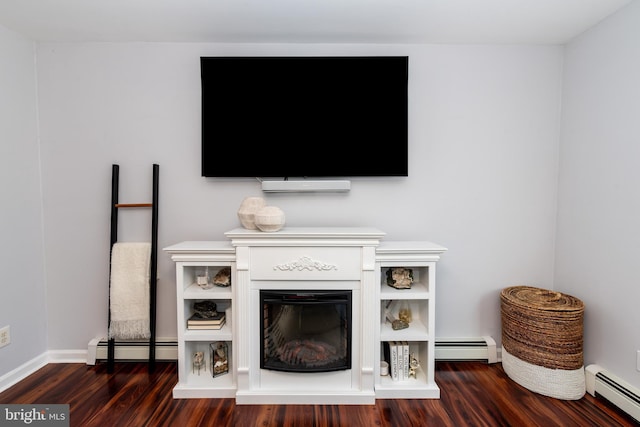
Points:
(306, 262)
(306, 316)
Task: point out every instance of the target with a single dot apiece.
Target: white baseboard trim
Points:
(52, 356)
(23, 371)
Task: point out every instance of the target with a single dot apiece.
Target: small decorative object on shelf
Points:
(400, 277)
(396, 324)
(248, 208)
(269, 219)
(405, 312)
(205, 309)
(199, 362)
(384, 368)
(202, 278)
(414, 364)
(219, 358)
(223, 277)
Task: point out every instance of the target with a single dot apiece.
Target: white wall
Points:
(598, 241)
(22, 286)
(483, 133)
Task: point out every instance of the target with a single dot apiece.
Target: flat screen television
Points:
(309, 116)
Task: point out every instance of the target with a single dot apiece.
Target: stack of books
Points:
(397, 355)
(214, 322)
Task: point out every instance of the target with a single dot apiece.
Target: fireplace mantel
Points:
(306, 259)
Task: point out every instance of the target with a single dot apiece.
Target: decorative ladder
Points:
(153, 277)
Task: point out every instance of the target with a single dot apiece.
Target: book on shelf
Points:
(405, 361)
(400, 360)
(397, 354)
(206, 327)
(394, 361)
(386, 354)
(214, 320)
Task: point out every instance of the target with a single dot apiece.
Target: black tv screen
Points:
(306, 116)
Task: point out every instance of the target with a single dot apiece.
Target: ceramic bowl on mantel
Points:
(269, 219)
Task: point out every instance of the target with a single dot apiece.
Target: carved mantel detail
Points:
(305, 263)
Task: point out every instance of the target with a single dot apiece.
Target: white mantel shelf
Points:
(414, 250)
(322, 236)
(361, 258)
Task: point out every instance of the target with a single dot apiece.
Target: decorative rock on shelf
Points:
(223, 277)
(248, 208)
(205, 309)
(396, 324)
(269, 218)
(400, 278)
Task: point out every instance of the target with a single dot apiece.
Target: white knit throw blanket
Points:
(129, 292)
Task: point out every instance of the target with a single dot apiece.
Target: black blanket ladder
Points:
(153, 274)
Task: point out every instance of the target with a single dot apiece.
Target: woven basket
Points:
(542, 327)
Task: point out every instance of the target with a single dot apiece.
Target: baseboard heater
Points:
(467, 349)
(451, 349)
(606, 385)
(132, 350)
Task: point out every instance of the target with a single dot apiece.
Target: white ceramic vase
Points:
(248, 208)
(269, 218)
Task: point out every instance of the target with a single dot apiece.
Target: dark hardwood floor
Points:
(472, 394)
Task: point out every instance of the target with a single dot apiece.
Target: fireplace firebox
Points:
(305, 331)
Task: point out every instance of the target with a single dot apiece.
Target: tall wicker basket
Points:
(542, 340)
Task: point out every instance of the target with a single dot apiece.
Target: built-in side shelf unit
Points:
(420, 258)
(191, 259)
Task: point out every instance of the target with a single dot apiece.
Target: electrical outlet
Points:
(5, 336)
